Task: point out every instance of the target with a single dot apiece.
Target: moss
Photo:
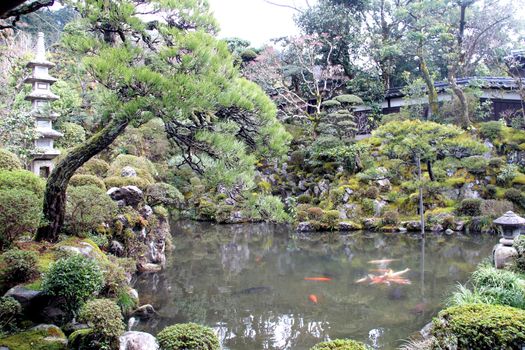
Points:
(95, 167)
(519, 179)
(80, 339)
(455, 181)
(188, 336)
(265, 186)
(340, 344)
(117, 181)
(481, 326)
(51, 338)
(79, 243)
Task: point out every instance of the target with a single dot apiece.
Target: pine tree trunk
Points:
(432, 93)
(55, 194)
(464, 119)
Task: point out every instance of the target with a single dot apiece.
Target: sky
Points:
(255, 20)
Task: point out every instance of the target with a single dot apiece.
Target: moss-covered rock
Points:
(341, 344)
(43, 337)
(188, 336)
(480, 326)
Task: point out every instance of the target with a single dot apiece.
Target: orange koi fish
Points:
(313, 298)
(382, 261)
(318, 279)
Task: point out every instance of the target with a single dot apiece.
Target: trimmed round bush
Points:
(22, 179)
(188, 336)
(340, 344)
(145, 169)
(76, 279)
(86, 180)
(20, 212)
(118, 181)
(390, 217)
(94, 166)
(491, 130)
(480, 326)
(18, 266)
(470, 207)
(86, 208)
(9, 161)
(515, 196)
(104, 318)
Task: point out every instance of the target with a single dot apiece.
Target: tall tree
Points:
(173, 68)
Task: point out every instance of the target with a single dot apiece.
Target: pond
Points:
(261, 286)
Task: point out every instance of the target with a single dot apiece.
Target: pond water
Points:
(248, 283)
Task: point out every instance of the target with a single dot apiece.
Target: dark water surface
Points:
(247, 282)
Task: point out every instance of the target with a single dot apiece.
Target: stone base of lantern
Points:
(503, 253)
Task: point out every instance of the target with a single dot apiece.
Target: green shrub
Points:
(515, 196)
(491, 191)
(475, 164)
(519, 260)
(491, 130)
(495, 162)
(87, 180)
(20, 212)
(165, 194)
(22, 179)
(18, 266)
(390, 217)
(331, 219)
(117, 181)
(86, 208)
(9, 161)
(144, 168)
(371, 192)
(74, 135)
(315, 213)
(10, 308)
(507, 173)
(480, 326)
(340, 344)
(104, 318)
(470, 207)
(115, 279)
(304, 199)
(75, 278)
(188, 336)
(491, 286)
(95, 167)
(267, 208)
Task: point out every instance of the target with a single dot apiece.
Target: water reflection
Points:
(247, 281)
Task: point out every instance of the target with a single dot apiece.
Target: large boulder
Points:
(305, 227)
(138, 341)
(44, 336)
(24, 296)
(127, 195)
(128, 171)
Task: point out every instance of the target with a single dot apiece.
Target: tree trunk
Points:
(55, 194)
(430, 171)
(429, 82)
(464, 119)
(421, 207)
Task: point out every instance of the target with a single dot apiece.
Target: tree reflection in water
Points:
(247, 282)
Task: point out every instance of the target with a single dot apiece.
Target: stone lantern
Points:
(41, 97)
(511, 225)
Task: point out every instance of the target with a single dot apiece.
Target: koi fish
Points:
(382, 261)
(318, 279)
(313, 298)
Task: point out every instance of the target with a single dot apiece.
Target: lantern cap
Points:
(510, 218)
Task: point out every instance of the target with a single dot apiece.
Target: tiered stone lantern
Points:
(41, 97)
(511, 225)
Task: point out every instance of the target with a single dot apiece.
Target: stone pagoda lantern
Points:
(41, 97)
(511, 225)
